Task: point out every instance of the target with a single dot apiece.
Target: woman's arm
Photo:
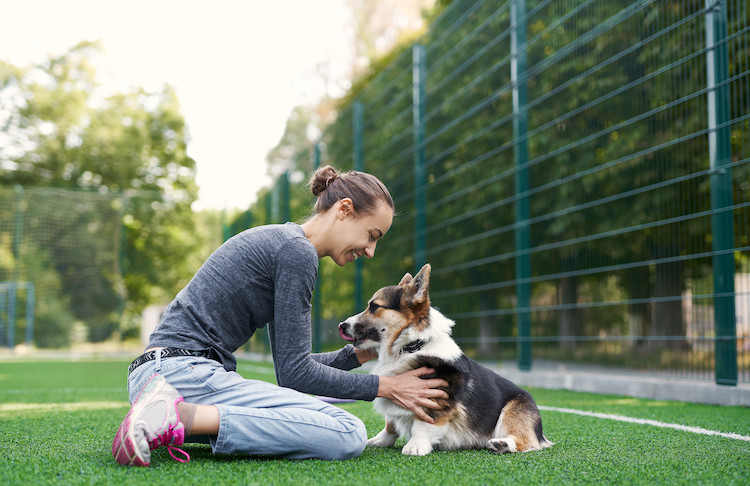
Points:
(346, 358)
(290, 333)
(343, 359)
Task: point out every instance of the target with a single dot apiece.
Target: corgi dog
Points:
(483, 411)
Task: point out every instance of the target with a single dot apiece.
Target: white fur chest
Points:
(392, 412)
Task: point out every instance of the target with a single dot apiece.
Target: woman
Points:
(186, 385)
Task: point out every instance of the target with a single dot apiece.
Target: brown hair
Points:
(365, 190)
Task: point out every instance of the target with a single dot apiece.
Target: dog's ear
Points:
(419, 286)
(406, 279)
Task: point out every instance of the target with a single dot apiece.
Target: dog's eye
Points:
(374, 307)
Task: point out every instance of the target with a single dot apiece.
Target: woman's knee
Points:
(352, 444)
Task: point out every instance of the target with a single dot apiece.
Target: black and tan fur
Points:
(484, 410)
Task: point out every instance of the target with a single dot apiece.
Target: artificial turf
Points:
(57, 420)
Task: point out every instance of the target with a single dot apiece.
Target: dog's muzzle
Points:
(344, 333)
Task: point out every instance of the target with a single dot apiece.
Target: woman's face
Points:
(357, 235)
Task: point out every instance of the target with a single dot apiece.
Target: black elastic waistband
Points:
(170, 352)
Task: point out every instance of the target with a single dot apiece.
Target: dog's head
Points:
(394, 317)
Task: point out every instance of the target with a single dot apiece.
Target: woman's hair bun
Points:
(322, 178)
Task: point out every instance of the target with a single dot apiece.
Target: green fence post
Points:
(286, 212)
(359, 163)
(522, 232)
(317, 326)
(722, 224)
(275, 210)
(419, 71)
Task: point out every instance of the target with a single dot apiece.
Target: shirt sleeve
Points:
(343, 359)
(290, 333)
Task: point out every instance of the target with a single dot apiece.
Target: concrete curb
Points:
(693, 391)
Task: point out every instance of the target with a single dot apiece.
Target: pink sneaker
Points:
(152, 421)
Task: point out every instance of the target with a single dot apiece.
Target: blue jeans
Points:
(256, 417)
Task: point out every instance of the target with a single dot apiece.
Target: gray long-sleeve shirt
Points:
(264, 275)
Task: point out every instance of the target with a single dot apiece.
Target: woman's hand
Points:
(411, 392)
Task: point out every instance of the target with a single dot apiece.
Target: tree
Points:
(379, 26)
(131, 146)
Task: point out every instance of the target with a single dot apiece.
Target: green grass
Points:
(57, 420)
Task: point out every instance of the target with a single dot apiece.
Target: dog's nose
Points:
(343, 332)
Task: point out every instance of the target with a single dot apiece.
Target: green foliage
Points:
(129, 149)
(102, 328)
(53, 327)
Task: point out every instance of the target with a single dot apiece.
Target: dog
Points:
(483, 411)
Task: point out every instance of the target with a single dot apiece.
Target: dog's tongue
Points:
(348, 338)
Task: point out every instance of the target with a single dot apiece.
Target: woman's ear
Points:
(345, 208)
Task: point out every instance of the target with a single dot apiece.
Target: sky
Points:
(238, 67)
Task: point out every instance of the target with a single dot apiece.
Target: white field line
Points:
(8, 409)
(655, 423)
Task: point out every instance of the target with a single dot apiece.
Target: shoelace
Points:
(166, 440)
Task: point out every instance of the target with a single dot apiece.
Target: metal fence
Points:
(577, 174)
(60, 265)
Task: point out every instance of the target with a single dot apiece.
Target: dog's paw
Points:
(383, 439)
(415, 448)
(502, 446)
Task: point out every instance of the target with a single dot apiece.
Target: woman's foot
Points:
(152, 421)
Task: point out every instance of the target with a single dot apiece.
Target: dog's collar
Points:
(413, 346)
